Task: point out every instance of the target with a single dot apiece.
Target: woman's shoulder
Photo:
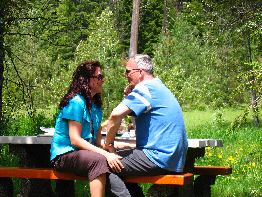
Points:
(77, 101)
(78, 98)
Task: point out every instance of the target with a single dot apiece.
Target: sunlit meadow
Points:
(241, 151)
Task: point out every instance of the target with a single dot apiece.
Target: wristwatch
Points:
(109, 144)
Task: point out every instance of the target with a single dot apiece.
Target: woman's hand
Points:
(114, 162)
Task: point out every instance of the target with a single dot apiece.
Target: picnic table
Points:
(34, 151)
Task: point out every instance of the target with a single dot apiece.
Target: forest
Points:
(207, 52)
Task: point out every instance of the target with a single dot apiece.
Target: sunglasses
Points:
(99, 77)
(128, 71)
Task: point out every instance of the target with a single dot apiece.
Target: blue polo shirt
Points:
(160, 127)
(75, 110)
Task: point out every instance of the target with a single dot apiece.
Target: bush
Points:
(27, 125)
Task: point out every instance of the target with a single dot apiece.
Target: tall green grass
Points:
(241, 151)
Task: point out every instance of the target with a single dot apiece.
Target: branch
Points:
(20, 34)
(22, 82)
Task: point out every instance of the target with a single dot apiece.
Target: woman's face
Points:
(96, 82)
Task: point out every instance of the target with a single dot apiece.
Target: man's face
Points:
(132, 73)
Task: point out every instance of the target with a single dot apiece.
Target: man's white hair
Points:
(144, 62)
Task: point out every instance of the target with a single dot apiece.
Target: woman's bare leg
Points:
(97, 186)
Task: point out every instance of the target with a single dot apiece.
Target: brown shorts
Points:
(82, 163)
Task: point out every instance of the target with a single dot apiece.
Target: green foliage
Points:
(195, 15)
(150, 25)
(241, 150)
(250, 80)
(204, 68)
(180, 48)
(102, 45)
(124, 21)
(179, 60)
(210, 58)
(199, 59)
(40, 51)
(24, 125)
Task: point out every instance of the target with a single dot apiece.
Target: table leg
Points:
(160, 191)
(202, 185)
(33, 155)
(192, 154)
(65, 188)
(6, 187)
(179, 190)
(37, 155)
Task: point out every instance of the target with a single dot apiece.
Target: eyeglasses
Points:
(99, 77)
(128, 71)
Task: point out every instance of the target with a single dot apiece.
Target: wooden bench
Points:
(207, 178)
(50, 173)
(212, 170)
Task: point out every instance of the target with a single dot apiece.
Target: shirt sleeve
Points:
(74, 110)
(138, 101)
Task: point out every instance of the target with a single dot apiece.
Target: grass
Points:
(242, 151)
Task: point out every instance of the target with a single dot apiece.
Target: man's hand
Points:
(110, 149)
(127, 90)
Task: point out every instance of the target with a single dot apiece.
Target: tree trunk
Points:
(164, 20)
(134, 28)
(179, 5)
(253, 92)
(2, 56)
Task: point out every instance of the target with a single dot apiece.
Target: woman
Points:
(77, 138)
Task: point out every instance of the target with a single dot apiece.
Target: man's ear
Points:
(141, 75)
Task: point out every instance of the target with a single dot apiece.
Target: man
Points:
(161, 141)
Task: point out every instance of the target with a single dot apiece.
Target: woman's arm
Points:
(118, 145)
(75, 129)
(98, 141)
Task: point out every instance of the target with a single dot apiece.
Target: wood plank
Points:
(38, 173)
(212, 170)
(49, 173)
(162, 179)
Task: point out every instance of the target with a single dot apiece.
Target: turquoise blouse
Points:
(75, 110)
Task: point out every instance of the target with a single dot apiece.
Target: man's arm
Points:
(113, 124)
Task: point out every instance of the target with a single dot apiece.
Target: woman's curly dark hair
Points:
(80, 85)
